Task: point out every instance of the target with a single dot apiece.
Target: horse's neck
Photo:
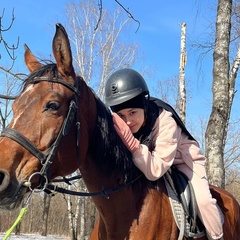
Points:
(95, 179)
(86, 112)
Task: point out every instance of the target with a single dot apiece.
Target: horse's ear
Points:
(62, 52)
(30, 60)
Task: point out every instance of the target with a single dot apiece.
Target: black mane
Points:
(107, 147)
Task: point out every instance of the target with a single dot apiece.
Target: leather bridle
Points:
(46, 157)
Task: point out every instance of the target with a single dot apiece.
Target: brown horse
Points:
(58, 126)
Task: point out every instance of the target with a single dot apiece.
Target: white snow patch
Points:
(33, 237)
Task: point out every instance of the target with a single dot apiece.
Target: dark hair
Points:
(151, 115)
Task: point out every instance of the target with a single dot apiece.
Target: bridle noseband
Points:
(46, 158)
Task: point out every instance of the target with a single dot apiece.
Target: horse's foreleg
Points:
(99, 231)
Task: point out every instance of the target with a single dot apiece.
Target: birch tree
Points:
(4, 28)
(46, 207)
(71, 217)
(183, 61)
(97, 52)
(223, 89)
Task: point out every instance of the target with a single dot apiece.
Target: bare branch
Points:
(19, 76)
(129, 14)
(126, 10)
(100, 16)
(105, 51)
(9, 49)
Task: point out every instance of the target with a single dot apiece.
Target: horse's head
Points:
(32, 147)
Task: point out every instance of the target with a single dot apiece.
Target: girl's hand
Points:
(125, 133)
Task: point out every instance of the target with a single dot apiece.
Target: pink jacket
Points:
(169, 146)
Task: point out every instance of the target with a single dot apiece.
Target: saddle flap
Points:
(178, 184)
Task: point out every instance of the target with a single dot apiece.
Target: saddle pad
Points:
(178, 212)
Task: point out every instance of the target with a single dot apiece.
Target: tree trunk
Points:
(73, 235)
(183, 60)
(82, 218)
(218, 122)
(46, 207)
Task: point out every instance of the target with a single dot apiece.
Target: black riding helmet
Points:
(125, 85)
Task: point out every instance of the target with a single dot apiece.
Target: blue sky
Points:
(158, 37)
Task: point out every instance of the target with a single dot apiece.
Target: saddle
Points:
(183, 203)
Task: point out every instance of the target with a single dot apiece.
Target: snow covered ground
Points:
(33, 237)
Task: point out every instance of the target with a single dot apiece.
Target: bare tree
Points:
(6, 99)
(122, 6)
(98, 51)
(183, 61)
(232, 149)
(233, 182)
(71, 217)
(223, 94)
(168, 91)
(10, 50)
(75, 207)
(11, 81)
(46, 207)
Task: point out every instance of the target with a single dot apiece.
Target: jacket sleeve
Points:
(165, 137)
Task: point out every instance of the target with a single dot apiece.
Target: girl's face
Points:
(133, 117)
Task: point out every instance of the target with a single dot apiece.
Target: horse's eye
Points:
(52, 106)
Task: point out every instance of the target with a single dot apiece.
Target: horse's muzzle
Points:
(11, 193)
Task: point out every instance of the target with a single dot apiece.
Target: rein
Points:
(104, 193)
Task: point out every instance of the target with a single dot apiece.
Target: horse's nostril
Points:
(2, 175)
(4, 179)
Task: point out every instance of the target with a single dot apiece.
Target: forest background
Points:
(151, 35)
